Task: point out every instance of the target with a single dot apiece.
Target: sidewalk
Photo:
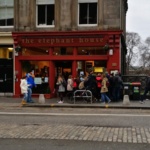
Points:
(10, 101)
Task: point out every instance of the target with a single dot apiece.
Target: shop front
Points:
(51, 53)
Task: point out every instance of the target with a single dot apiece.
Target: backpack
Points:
(64, 83)
(81, 85)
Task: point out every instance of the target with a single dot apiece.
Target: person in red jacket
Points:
(99, 83)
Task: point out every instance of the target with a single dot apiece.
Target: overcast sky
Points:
(138, 17)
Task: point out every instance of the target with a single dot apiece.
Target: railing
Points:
(84, 94)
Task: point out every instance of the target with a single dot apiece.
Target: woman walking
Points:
(104, 90)
(61, 87)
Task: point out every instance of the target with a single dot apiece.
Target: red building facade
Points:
(50, 53)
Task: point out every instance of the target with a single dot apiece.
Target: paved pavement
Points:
(74, 132)
(53, 102)
(78, 132)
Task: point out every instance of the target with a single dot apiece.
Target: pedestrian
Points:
(61, 87)
(146, 90)
(30, 81)
(24, 89)
(99, 84)
(91, 84)
(70, 86)
(117, 87)
(104, 90)
(111, 86)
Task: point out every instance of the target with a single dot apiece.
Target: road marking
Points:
(65, 114)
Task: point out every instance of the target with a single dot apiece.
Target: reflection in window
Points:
(91, 51)
(41, 73)
(45, 12)
(35, 51)
(63, 51)
(6, 12)
(88, 13)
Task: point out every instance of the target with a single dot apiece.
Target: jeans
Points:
(29, 99)
(116, 94)
(104, 97)
(25, 96)
(145, 93)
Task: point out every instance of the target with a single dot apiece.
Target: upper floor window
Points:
(87, 12)
(6, 13)
(45, 12)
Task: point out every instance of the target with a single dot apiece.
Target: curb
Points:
(84, 106)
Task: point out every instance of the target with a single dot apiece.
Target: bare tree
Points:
(145, 55)
(132, 41)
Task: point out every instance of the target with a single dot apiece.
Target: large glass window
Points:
(87, 12)
(91, 51)
(45, 12)
(35, 51)
(6, 13)
(41, 74)
(6, 51)
(63, 51)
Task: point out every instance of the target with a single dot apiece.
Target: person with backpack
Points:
(61, 83)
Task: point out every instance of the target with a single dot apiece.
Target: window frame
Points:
(44, 3)
(87, 2)
(6, 6)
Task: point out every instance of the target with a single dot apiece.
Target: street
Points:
(74, 128)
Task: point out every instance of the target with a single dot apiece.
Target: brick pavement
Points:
(71, 132)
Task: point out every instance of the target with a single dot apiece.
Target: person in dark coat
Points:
(147, 89)
(91, 84)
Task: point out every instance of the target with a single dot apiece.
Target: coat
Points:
(104, 88)
(24, 86)
(61, 88)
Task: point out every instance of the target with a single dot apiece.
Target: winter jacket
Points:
(30, 81)
(61, 88)
(24, 86)
(104, 88)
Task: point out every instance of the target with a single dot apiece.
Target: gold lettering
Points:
(81, 40)
(72, 40)
(47, 40)
(43, 40)
(62, 41)
(67, 40)
(101, 40)
(52, 41)
(39, 40)
(86, 40)
(57, 40)
(91, 40)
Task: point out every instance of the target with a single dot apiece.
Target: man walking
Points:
(30, 81)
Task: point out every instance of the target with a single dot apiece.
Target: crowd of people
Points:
(104, 87)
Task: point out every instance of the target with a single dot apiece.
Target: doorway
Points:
(6, 77)
(64, 68)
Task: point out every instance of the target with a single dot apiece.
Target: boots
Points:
(23, 102)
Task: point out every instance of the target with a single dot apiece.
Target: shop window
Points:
(63, 51)
(6, 13)
(6, 51)
(45, 12)
(41, 73)
(87, 12)
(91, 51)
(34, 51)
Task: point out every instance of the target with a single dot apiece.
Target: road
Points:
(74, 128)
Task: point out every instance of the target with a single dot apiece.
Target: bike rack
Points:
(80, 94)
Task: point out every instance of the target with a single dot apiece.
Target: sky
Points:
(138, 17)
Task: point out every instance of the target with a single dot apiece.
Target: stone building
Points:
(59, 36)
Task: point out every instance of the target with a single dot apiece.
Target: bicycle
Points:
(83, 94)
